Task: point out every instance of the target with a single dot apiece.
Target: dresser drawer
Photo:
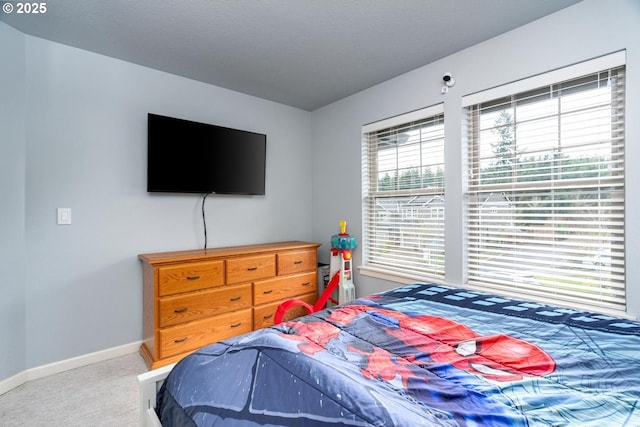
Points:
(195, 305)
(296, 262)
(263, 315)
(190, 276)
(193, 335)
(247, 269)
(283, 288)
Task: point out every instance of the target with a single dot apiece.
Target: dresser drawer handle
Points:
(193, 277)
(181, 310)
(267, 292)
(252, 268)
(305, 284)
(181, 340)
(268, 316)
(235, 299)
(297, 262)
(235, 325)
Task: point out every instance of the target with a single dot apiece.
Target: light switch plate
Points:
(64, 216)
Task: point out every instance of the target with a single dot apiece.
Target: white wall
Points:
(85, 120)
(589, 29)
(12, 202)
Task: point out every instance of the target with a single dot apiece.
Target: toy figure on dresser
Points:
(342, 245)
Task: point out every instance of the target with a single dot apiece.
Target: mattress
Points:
(418, 355)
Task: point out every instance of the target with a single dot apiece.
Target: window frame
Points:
(511, 285)
(371, 260)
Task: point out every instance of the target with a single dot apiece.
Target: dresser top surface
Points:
(229, 251)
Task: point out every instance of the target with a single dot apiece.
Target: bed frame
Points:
(149, 384)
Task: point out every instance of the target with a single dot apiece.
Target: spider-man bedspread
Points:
(417, 355)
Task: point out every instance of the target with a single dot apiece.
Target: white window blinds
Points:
(545, 190)
(403, 194)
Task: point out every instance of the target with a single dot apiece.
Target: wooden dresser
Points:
(197, 297)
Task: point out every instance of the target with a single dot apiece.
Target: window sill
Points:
(403, 278)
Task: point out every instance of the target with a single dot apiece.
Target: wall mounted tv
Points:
(191, 157)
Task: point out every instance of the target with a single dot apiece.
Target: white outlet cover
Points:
(64, 216)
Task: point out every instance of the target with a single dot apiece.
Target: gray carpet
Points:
(102, 394)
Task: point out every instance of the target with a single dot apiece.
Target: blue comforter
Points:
(419, 355)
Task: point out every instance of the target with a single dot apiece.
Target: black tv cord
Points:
(204, 219)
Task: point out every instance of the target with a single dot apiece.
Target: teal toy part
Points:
(343, 241)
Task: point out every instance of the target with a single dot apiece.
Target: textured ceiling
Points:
(303, 53)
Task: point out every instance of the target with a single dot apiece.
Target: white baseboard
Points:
(13, 382)
(66, 365)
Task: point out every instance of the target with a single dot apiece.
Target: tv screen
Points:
(191, 157)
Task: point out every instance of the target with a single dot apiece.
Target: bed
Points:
(418, 355)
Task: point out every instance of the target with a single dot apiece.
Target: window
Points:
(403, 194)
(545, 188)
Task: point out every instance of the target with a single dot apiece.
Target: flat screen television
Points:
(190, 157)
